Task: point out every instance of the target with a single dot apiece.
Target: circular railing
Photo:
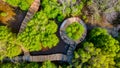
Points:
(67, 22)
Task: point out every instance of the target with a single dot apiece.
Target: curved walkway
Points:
(31, 11)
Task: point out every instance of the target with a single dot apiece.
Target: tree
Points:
(32, 65)
(45, 64)
(98, 51)
(51, 8)
(39, 33)
(75, 30)
(23, 4)
(91, 57)
(117, 60)
(48, 64)
(8, 44)
(102, 39)
(20, 65)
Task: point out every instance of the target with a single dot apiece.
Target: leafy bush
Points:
(102, 39)
(23, 4)
(75, 30)
(92, 57)
(62, 9)
(19, 65)
(46, 64)
(6, 13)
(31, 65)
(77, 10)
(51, 8)
(8, 45)
(40, 32)
(98, 52)
(9, 65)
(117, 60)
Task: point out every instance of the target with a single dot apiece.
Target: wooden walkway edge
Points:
(31, 11)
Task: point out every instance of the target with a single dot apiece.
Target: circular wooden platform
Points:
(68, 22)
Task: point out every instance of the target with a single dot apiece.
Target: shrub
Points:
(8, 44)
(40, 32)
(48, 64)
(102, 39)
(23, 4)
(100, 50)
(62, 9)
(45, 64)
(75, 30)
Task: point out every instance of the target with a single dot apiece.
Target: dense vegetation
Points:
(62, 9)
(75, 31)
(39, 33)
(8, 45)
(91, 54)
(23, 4)
(99, 49)
(46, 64)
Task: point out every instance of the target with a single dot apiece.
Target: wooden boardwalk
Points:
(31, 11)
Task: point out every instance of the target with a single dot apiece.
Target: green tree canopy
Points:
(8, 46)
(23, 4)
(99, 51)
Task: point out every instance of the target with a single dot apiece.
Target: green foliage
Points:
(51, 8)
(89, 2)
(8, 45)
(48, 64)
(87, 51)
(75, 30)
(72, 8)
(32, 65)
(62, 9)
(9, 65)
(101, 51)
(40, 32)
(117, 60)
(76, 10)
(92, 57)
(91, 54)
(101, 61)
(20, 65)
(105, 41)
(84, 17)
(3, 14)
(97, 32)
(23, 4)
